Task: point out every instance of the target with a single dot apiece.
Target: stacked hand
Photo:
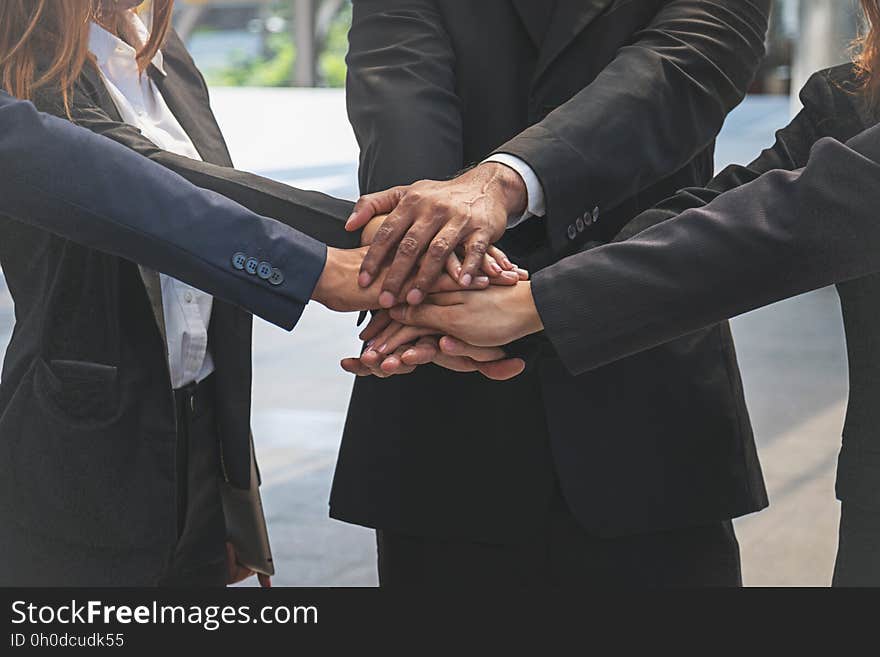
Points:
(439, 238)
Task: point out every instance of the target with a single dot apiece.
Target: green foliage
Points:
(275, 66)
(331, 63)
(273, 70)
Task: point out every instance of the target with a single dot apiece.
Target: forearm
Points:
(85, 188)
(782, 235)
(661, 101)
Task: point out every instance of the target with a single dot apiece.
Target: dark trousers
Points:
(199, 558)
(563, 554)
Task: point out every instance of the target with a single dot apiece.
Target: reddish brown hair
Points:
(44, 43)
(867, 58)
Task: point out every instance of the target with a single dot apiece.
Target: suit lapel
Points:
(570, 19)
(535, 16)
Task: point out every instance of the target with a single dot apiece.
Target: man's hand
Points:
(433, 218)
(494, 317)
(445, 352)
(338, 287)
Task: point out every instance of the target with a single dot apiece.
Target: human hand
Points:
(492, 363)
(236, 573)
(433, 218)
(495, 263)
(393, 348)
(338, 288)
(494, 317)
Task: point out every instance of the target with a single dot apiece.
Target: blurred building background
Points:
(303, 42)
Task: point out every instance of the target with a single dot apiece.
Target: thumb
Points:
(424, 315)
(370, 205)
(502, 370)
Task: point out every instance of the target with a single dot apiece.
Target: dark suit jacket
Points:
(87, 431)
(615, 104)
(801, 216)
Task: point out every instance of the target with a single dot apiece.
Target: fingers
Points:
(436, 259)
(447, 284)
(432, 316)
(378, 322)
(422, 352)
(491, 362)
(455, 347)
(502, 370)
(500, 258)
(395, 336)
(408, 255)
(355, 366)
(475, 247)
(370, 205)
(394, 364)
(265, 581)
(387, 237)
(453, 266)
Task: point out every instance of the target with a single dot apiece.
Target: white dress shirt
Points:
(187, 310)
(535, 206)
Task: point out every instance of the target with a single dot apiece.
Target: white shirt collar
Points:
(106, 46)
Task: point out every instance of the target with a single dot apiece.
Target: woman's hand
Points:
(493, 317)
(338, 289)
(445, 352)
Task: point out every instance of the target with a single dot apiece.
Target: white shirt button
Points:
(188, 296)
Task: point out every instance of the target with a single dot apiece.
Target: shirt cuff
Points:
(534, 190)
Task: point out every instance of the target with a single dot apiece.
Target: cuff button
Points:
(264, 270)
(572, 232)
(277, 277)
(238, 260)
(250, 266)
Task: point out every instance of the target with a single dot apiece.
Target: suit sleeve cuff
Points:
(534, 190)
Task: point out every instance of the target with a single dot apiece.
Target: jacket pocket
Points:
(80, 392)
(104, 481)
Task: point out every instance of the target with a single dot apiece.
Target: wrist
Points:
(530, 321)
(324, 284)
(509, 188)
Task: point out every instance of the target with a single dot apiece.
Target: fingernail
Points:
(386, 299)
(383, 348)
(364, 279)
(496, 269)
(466, 280)
(409, 354)
(369, 344)
(350, 219)
(508, 263)
(415, 297)
(482, 280)
(522, 272)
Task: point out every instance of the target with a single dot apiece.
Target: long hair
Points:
(45, 43)
(867, 59)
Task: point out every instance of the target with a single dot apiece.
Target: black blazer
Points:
(87, 429)
(801, 216)
(615, 104)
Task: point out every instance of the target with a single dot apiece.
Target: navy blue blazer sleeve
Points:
(783, 234)
(93, 191)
